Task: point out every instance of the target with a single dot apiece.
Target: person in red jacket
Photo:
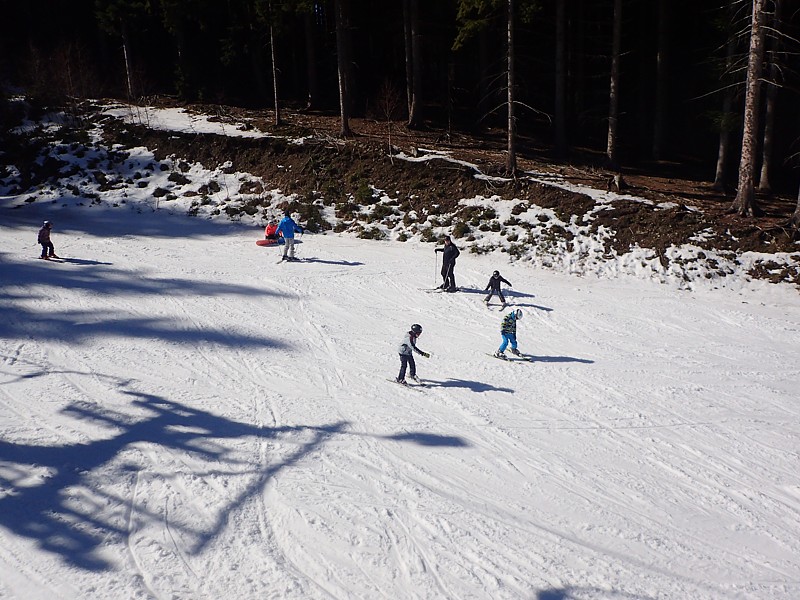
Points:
(271, 231)
(48, 251)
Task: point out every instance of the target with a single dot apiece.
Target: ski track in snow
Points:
(223, 427)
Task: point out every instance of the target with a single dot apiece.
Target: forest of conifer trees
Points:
(679, 94)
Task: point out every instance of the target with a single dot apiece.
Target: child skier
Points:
(286, 229)
(508, 330)
(48, 251)
(494, 284)
(407, 348)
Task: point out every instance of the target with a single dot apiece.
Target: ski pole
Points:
(435, 265)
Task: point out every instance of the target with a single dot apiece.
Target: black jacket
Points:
(449, 253)
(494, 283)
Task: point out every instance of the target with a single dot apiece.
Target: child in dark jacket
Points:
(48, 250)
(494, 284)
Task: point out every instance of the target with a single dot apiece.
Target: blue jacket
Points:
(287, 227)
(509, 324)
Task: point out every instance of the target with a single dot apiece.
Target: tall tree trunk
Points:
(126, 53)
(795, 221)
(408, 57)
(745, 203)
(560, 101)
(415, 117)
(662, 79)
(511, 159)
(613, 93)
(726, 121)
(343, 62)
(274, 70)
(764, 184)
(311, 60)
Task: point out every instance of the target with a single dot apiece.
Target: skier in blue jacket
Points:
(508, 329)
(286, 229)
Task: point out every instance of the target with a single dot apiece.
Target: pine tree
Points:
(745, 203)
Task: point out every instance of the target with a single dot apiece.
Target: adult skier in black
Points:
(494, 284)
(449, 255)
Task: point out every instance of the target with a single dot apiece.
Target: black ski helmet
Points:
(518, 314)
(496, 274)
(416, 329)
(48, 224)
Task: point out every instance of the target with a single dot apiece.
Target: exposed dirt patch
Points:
(682, 210)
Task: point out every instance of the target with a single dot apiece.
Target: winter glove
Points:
(426, 354)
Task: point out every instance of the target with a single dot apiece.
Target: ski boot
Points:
(516, 352)
(500, 355)
(401, 381)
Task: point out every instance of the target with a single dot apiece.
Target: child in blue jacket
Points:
(286, 229)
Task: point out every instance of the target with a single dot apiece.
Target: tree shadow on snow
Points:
(135, 220)
(75, 499)
(55, 321)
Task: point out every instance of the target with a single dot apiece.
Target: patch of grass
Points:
(460, 229)
(381, 211)
(427, 235)
(371, 233)
(364, 194)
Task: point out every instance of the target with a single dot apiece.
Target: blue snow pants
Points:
(508, 338)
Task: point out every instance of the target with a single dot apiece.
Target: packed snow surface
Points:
(182, 417)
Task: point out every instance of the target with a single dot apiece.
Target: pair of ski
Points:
(418, 387)
(513, 358)
(439, 290)
(287, 260)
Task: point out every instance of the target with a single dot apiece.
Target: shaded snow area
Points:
(182, 417)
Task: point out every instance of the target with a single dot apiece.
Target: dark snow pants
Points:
(407, 360)
(448, 275)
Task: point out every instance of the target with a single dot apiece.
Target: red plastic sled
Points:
(277, 242)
